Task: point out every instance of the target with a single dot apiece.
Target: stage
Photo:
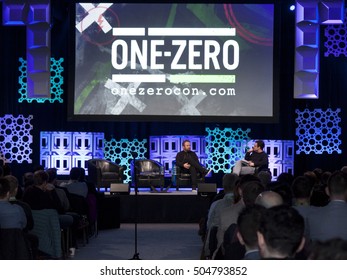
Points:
(168, 207)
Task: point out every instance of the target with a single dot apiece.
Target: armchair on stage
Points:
(147, 173)
(103, 172)
(182, 179)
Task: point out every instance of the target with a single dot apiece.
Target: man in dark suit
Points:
(188, 161)
(330, 221)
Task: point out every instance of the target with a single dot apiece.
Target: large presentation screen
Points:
(173, 61)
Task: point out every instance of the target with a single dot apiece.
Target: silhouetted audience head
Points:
(243, 180)
(4, 188)
(284, 190)
(325, 177)
(265, 177)
(40, 178)
(229, 182)
(301, 187)
(12, 180)
(250, 192)
(28, 179)
(82, 174)
(75, 173)
(52, 175)
(248, 225)
(281, 233)
(285, 178)
(337, 185)
(344, 169)
(1, 171)
(312, 177)
(269, 199)
(333, 249)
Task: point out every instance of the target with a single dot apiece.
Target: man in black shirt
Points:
(254, 158)
(189, 163)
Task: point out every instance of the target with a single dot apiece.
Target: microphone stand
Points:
(136, 255)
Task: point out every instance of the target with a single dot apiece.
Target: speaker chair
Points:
(183, 179)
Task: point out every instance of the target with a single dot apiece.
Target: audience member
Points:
(302, 191)
(265, 177)
(248, 225)
(248, 192)
(281, 233)
(11, 215)
(269, 199)
(229, 184)
(28, 180)
(74, 185)
(330, 221)
(31, 238)
(13, 200)
(61, 192)
(332, 249)
(319, 196)
(42, 195)
(285, 178)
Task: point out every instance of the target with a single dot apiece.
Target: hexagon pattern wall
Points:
(225, 147)
(121, 151)
(318, 131)
(336, 39)
(15, 138)
(57, 81)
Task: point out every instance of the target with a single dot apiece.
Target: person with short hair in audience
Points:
(11, 215)
(229, 183)
(330, 221)
(332, 249)
(269, 199)
(43, 196)
(265, 177)
(248, 190)
(13, 200)
(74, 185)
(247, 227)
(61, 192)
(281, 233)
(33, 239)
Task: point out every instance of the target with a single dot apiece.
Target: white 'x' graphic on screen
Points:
(94, 14)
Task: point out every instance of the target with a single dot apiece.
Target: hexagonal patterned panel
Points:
(225, 147)
(336, 39)
(121, 151)
(15, 138)
(57, 81)
(318, 131)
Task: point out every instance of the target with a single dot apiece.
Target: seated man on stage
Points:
(254, 158)
(189, 163)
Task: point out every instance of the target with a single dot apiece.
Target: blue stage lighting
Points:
(292, 7)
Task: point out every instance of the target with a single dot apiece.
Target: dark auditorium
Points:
(169, 130)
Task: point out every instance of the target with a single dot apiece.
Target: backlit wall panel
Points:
(16, 139)
(56, 78)
(64, 150)
(318, 131)
(122, 151)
